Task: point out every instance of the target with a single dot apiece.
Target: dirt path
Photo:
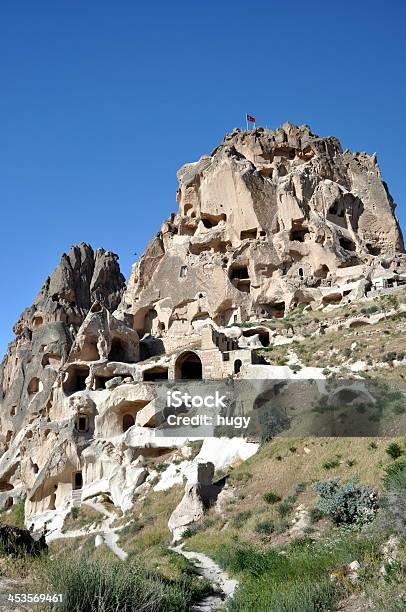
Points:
(221, 581)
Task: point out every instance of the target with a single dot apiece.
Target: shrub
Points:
(271, 498)
(394, 450)
(131, 528)
(190, 531)
(265, 527)
(346, 503)
(74, 513)
(300, 487)
(285, 508)
(296, 581)
(329, 465)
(315, 515)
(241, 518)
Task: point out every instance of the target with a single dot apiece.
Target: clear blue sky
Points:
(101, 102)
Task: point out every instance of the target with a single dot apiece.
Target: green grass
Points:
(298, 580)
(96, 581)
(14, 516)
(112, 586)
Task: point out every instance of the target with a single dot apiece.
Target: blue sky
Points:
(101, 102)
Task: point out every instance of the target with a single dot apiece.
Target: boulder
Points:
(15, 541)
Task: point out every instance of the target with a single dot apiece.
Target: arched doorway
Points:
(237, 366)
(78, 480)
(188, 367)
(128, 421)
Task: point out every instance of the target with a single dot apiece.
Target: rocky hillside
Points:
(270, 220)
(284, 262)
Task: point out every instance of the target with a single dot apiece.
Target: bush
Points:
(346, 503)
(329, 465)
(190, 531)
(241, 518)
(315, 515)
(265, 527)
(241, 477)
(285, 508)
(300, 488)
(271, 498)
(74, 513)
(394, 450)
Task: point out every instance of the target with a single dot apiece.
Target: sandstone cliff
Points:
(269, 221)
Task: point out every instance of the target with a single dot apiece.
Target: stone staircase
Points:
(76, 497)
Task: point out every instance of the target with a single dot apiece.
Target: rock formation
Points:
(200, 493)
(269, 221)
(15, 541)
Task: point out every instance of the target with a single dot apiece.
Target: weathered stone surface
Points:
(199, 492)
(270, 220)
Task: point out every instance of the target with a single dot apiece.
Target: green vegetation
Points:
(271, 498)
(332, 463)
(296, 579)
(394, 450)
(251, 538)
(346, 503)
(14, 516)
(349, 521)
(108, 586)
(379, 343)
(265, 527)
